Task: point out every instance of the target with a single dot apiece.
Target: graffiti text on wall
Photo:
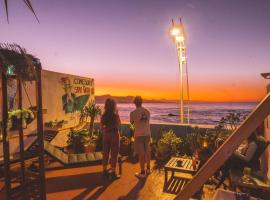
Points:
(81, 86)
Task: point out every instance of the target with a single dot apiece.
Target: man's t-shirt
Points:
(140, 117)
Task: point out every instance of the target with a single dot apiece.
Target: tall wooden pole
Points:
(5, 134)
(22, 162)
(40, 134)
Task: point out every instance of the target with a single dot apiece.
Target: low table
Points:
(186, 168)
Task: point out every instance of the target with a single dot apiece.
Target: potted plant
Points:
(81, 141)
(90, 144)
(167, 146)
(92, 110)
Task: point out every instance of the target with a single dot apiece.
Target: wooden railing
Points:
(225, 151)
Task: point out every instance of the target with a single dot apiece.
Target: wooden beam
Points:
(5, 134)
(21, 140)
(254, 119)
(40, 135)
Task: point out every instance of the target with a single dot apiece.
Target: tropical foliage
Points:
(168, 145)
(78, 139)
(90, 112)
(81, 137)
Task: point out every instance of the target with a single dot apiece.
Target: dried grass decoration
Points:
(25, 65)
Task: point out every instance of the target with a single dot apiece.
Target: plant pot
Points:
(78, 148)
(90, 148)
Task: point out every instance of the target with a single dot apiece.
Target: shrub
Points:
(168, 146)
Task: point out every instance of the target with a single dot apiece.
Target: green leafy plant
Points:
(191, 142)
(26, 116)
(168, 145)
(90, 112)
(78, 139)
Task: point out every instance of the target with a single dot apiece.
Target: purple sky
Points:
(125, 45)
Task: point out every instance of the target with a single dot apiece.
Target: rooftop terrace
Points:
(88, 183)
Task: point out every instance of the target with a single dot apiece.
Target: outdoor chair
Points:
(254, 163)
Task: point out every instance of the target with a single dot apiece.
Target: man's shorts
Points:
(142, 145)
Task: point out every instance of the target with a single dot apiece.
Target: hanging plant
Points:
(26, 116)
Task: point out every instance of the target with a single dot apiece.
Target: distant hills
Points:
(129, 99)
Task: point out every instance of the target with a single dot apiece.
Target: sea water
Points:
(200, 113)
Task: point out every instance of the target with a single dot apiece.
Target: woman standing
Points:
(110, 123)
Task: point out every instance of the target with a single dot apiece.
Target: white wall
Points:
(52, 93)
(53, 84)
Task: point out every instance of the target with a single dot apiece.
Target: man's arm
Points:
(249, 153)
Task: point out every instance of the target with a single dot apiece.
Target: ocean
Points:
(200, 113)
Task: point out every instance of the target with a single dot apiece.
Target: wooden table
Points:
(185, 168)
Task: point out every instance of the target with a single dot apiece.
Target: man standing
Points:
(140, 118)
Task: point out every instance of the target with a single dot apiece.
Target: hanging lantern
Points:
(204, 142)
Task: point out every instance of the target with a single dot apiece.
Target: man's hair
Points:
(138, 100)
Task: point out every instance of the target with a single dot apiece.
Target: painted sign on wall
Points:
(77, 93)
(65, 95)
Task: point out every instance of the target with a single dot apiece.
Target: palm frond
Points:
(6, 6)
(29, 5)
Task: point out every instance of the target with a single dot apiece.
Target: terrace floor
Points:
(88, 183)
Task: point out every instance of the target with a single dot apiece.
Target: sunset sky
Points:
(124, 45)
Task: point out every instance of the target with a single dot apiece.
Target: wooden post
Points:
(266, 158)
(226, 149)
(21, 142)
(5, 134)
(40, 134)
